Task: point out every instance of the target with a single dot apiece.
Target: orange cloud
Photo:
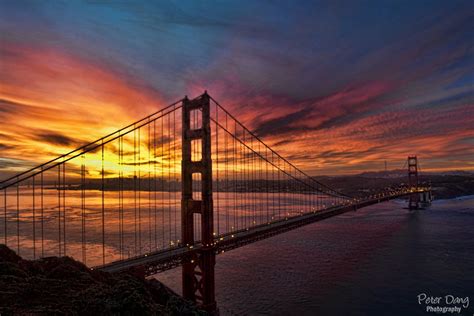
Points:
(52, 102)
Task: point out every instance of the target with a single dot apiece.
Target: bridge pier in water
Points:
(198, 272)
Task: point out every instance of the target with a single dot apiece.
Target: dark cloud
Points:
(284, 124)
(6, 163)
(56, 139)
(7, 107)
(5, 147)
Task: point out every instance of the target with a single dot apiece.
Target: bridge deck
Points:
(166, 259)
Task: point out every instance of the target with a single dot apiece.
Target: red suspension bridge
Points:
(175, 188)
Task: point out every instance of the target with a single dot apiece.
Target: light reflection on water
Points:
(157, 215)
(371, 262)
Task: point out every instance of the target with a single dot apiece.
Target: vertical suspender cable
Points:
(5, 210)
(154, 185)
(18, 216)
(174, 164)
(42, 215)
(149, 186)
(135, 190)
(83, 211)
(218, 193)
(139, 195)
(103, 206)
(58, 186)
(34, 218)
(162, 183)
(64, 208)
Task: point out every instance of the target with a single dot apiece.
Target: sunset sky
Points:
(337, 88)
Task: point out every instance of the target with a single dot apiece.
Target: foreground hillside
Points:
(64, 286)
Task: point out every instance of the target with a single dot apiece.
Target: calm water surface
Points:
(57, 223)
(371, 262)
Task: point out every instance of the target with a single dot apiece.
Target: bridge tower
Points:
(413, 182)
(198, 272)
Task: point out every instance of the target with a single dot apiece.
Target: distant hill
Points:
(397, 173)
(445, 185)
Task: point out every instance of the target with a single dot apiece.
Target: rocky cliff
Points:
(63, 286)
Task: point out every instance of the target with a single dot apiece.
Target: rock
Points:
(8, 255)
(64, 286)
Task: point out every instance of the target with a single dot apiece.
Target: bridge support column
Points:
(414, 199)
(198, 272)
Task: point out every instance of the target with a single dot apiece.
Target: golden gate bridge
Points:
(172, 189)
